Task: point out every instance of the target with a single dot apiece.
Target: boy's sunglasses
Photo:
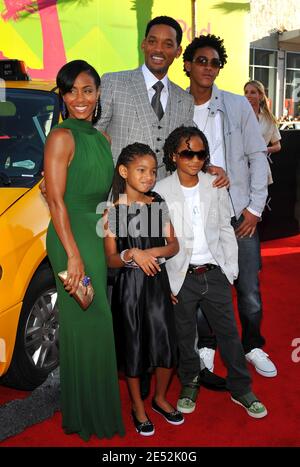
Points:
(187, 154)
(203, 61)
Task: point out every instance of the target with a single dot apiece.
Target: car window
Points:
(26, 118)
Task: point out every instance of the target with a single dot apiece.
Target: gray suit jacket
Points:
(245, 151)
(128, 117)
(219, 234)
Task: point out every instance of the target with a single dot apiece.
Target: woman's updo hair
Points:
(65, 81)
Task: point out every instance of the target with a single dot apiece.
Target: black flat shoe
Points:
(143, 428)
(175, 417)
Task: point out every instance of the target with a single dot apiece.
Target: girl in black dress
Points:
(139, 236)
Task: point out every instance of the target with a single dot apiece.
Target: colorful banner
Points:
(47, 33)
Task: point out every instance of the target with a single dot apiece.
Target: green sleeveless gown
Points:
(90, 400)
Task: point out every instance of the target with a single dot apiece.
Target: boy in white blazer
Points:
(204, 267)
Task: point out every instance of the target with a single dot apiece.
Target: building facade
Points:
(275, 52)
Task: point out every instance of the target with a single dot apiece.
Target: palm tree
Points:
(230, 7)
(143, 10)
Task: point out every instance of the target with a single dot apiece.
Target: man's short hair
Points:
(168, 21)
(215, 42)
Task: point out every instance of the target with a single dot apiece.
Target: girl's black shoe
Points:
(175, 417)
(143, 428)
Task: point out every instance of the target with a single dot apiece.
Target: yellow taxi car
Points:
(28, 311)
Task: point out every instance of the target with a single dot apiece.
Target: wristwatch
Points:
(122, 256)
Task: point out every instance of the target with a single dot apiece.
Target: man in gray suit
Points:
(143, 104)
(230, 125)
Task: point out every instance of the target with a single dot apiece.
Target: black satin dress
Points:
(141, 305)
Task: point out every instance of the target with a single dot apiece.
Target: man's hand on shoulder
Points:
(106, 135)
(248, 226)
(222, 179)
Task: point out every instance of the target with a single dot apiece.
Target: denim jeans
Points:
(212, 290)
(248, 296)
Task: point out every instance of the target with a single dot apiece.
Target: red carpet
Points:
(217, 421)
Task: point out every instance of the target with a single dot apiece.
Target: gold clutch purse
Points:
(84, 295)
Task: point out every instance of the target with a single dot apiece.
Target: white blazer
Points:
(218, 231)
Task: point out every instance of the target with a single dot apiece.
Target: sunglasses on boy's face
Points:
(187, 154)
(204, 61)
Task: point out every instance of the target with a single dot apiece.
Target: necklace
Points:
(199, 119)
(208, 126)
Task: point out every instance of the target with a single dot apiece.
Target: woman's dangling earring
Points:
(96, 109)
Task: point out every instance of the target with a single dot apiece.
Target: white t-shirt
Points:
(201, 254)
(212, 128)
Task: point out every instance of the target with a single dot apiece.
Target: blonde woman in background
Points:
(255, 92)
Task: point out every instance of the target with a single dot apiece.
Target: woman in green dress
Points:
(78, 176)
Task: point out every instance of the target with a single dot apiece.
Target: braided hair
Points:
(174, 140)
(128, 154)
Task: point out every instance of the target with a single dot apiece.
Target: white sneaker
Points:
(207, 356)
(263, 365)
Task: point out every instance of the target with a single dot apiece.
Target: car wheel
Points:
(36, 348)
